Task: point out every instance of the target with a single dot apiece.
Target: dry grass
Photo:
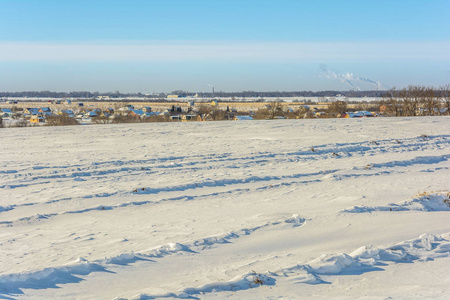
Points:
(257, 279)
(427, 194)
(368, 167)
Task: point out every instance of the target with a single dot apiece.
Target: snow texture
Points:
(290, 209)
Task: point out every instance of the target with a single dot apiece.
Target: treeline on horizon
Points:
(247, 94)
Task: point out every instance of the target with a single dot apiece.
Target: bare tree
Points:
(204, 109)
(59, 120)
(430, 102)
(445, 95)
(337, 108)
(215, 112)
(392, 106)
(275, 109)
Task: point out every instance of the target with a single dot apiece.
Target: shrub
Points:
(57, 120)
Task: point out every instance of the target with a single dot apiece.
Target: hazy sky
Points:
(164, 45)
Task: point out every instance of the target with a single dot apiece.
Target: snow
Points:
(338, 208)
(429, 202)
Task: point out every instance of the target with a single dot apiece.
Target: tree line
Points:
(243, 94)
(416, 100)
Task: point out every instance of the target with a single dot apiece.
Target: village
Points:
(24, 112)
(67, 112)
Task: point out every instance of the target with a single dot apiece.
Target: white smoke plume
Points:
(348, 78)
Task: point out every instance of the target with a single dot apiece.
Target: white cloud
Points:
(213, 51)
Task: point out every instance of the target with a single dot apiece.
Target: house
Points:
(66, 112)
(349, 115)
(126, 109)
(85, 120)
(365, 113)
(188, 117)
(319, 114)
(135, 113)
(204, 117)
(149, 114)
(68, 101)
(30, 111)
(35, 119)
(90, 114)
(358, 114)
(45, 111)
(6, 112)
(175, 118)
(105, 114)
(242, 118)
(176, 109)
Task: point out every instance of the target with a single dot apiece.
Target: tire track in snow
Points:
(336, 174)
(228, 183)
(186, 162)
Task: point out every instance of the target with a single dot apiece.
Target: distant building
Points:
(67, 112)
(188, 117)
(45, 111)
(37, 119)
(242, 118)
(30, 111)
(204, 117)
(6, 112)
(136, 113)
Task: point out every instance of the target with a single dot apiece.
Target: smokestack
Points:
(213, 90)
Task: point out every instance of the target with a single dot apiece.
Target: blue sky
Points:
(165, 45)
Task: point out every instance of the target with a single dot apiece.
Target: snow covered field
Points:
(288, 209)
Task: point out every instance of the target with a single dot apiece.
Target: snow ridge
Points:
(49, 277)
(364, 259)
(439, 201)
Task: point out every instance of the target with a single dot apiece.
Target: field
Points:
(285, 209)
